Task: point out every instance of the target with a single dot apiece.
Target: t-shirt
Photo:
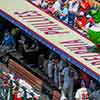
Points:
(64, 18)
(65, 72)
(56, 6)
(73, 7)
(8, 41)
(82, 94)
(51, 1)
(50, 69)
(82, 20)
(86, 6)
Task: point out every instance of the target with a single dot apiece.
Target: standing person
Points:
(65, 78)
(68, 82)
(50, 68)
(56, 70)
(82, 93)
(73, 7)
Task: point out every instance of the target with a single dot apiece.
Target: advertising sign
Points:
(58, 35)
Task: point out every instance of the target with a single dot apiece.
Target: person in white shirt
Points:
(56, 7)
(82, 93)
(73, 6)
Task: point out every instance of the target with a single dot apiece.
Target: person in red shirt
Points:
(81, 21)
(84, 6)
(51, 1)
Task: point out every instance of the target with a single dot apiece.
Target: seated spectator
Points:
(81, 21)
(8, 40)
(8, 43)
(94, 6)
(55, 7)
(73, 7)
(51, 1)
(90, 22)
(44, 4)
(84, 6)
(16, 32)
(64, 14)
(31, 49)
(84, 22)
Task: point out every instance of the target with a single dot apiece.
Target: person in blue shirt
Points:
(8, 43)
(64, 14)
(73, 6)
(8, 40)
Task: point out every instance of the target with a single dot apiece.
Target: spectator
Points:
(84, 6)
(82, 93)
(51, 1)
(64, 14)
(44, 4)
(8, 40)
(16, 32)
(8, 43)
(30, 49)
(56, 70)
(95, 95)
(68, 82)
(56, 6)
(81, 20)
(50, 66)
(90, 22)
(92, 86)
(85, 77)
(73, 7)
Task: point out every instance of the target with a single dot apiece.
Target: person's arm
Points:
(77, 95)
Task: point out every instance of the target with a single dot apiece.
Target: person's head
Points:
(81, 14)
(6, 32)
(62, 6)
(83, 83)
(74, 0)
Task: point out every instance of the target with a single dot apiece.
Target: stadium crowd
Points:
(78, 14)
(14, 88)
(73, 83)
(62, 74)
